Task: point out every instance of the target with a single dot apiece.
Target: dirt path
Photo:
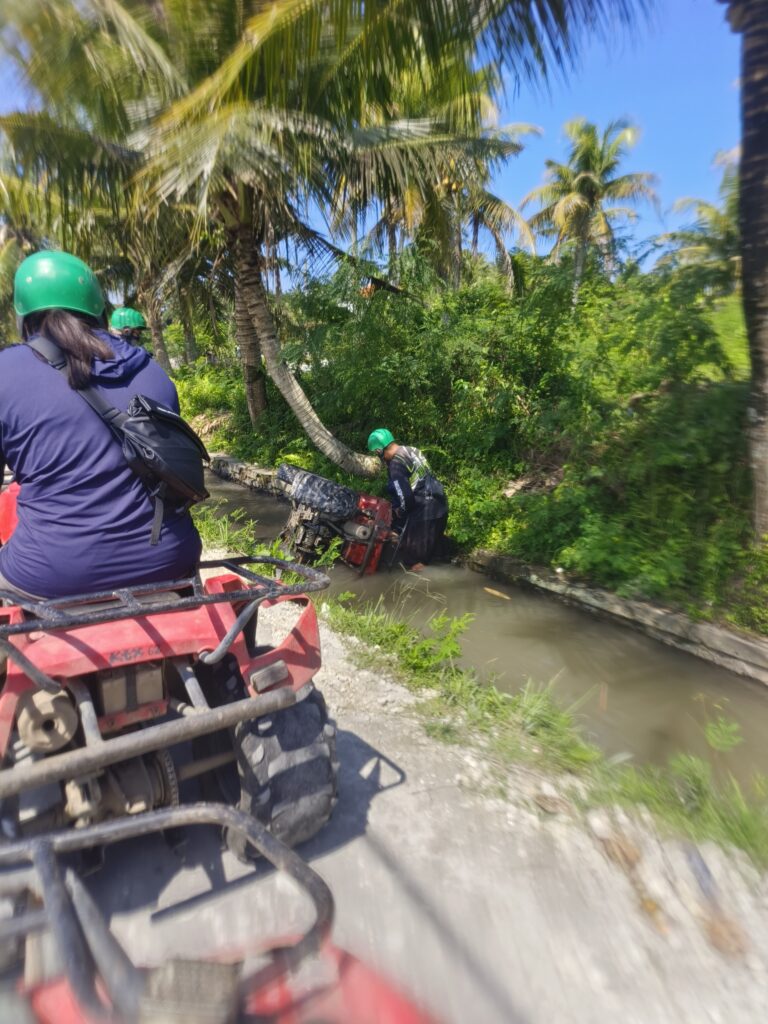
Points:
(486, 910)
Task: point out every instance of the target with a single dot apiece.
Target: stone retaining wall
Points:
(742, 653)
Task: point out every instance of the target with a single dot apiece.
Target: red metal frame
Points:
(8, 511)
(378, 513)
(72, 653)
(353, 994)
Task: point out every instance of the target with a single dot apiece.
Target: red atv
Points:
(99, 690)
(322, 510)
(76, 972)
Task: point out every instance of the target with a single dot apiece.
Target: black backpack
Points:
(161, 449)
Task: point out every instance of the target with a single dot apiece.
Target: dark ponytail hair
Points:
(74, 334)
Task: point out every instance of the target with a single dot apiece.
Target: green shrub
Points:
(629, 394)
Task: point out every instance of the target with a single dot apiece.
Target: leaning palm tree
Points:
(577, 199)
(750, 18)
(255, 153)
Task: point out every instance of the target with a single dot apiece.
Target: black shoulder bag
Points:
(160, 448)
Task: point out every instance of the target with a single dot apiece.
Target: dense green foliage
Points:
(623, 414)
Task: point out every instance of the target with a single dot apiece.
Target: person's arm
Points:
(398, 474)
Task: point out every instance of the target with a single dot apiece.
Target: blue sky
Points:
(676, 78)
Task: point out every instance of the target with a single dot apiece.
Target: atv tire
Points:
(288, 772)
(317, 492)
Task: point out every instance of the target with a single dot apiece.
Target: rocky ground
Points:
(484, 909)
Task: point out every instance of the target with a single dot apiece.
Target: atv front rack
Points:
(94, 964)
(102, 606)
(167, 596)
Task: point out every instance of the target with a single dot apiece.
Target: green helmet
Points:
(56, 280)
(125, 318)
(379, 438)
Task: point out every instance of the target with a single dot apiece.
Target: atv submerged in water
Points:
(99, 690)
(322, 510)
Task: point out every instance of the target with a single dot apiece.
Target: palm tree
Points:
(21, 219)
(437, 211)
(750, 18)
(101, 76)
(713, 242)
(486, 211)
(577, 197)
(253, 113)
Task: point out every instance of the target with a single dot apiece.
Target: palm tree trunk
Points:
(750, 17)
(475, 234)
(150, 302)
(456, 260)
(273, 260)
(185, 315)
(213, 317)
(503, 258)
(248, 275)
(392, 244)
(579, 263)
(250, 358)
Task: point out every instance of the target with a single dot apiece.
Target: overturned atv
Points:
(102, 694)
(322, 510)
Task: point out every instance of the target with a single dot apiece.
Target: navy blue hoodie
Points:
(84, 518)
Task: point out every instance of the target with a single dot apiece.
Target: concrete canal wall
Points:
(743, 653)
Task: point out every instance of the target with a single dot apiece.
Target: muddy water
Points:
(635, 696)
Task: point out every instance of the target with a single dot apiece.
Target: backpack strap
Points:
(158, 496)
(50, 352)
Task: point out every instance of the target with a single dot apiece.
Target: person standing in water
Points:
(418, 498)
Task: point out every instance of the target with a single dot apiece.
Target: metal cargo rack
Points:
(198, 719)
(180, 594)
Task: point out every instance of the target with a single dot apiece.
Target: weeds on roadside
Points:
(231, 531)
(685, 795)
(531, 726)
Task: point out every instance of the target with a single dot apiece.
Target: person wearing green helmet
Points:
(418, 498)
(84, 516)
(127, 323)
